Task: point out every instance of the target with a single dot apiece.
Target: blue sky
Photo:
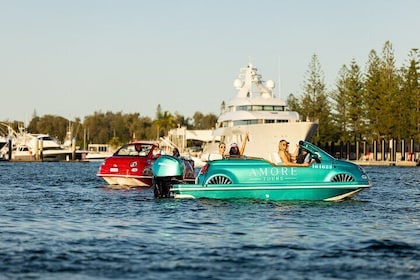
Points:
(72, 58)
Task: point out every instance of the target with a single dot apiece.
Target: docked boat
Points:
(98, 152)
(131, 165)
(27, 146)
(40, 146)
(326, 178)
(3, 142)
(257, 111)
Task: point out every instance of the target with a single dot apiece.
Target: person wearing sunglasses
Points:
(222, 149)
(286, 157)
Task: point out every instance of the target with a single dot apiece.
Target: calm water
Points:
(57, 220)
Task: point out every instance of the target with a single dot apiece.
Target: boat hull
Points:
(128, 180)
(131, 177)
(272, 193)
(323, 178)
(49, 155)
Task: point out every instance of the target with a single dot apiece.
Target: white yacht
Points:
(257, 111)
(29, 146)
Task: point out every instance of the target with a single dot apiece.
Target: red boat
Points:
(130, 165)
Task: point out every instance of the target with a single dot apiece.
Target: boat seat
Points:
(215, 156)
(275, 158)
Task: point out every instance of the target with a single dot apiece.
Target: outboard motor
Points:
(170, 170)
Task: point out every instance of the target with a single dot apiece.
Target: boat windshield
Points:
(134, 149)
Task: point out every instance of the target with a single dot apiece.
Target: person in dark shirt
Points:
(175, 152)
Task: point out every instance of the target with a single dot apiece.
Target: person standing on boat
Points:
(287, 158)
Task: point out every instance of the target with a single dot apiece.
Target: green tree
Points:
(98, 127)
(389, 88)
(411, 97)
(182, 121)
(164, 123)
(355, 100)
(209, 121)
(144, 128)
(55, 126)
(314, 102)
(198, 120)
(294, 105)
(202, 121)
(339, 108)
(373, 94)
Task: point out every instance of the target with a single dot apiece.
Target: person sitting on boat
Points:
(221, 154)
(222, 149)
(234, 151)
(287, 158)
(303, 156)
(175, 152)
(234, 148)
(156, 152)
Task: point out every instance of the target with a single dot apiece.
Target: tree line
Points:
(381, 102)
(115, 128)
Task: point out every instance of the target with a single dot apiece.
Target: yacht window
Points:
(244, 108)
(247, 122)
(45, 138)
(278, 108)
(267, 108)
(225, 124)
(258, 108)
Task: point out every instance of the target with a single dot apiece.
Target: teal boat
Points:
(326, 178)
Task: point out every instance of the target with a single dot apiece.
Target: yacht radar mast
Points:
(247, 78)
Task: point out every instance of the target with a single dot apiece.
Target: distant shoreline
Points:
(385, 163)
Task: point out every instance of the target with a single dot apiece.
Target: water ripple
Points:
(58, 220)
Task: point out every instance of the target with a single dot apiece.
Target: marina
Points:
(22, 145)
